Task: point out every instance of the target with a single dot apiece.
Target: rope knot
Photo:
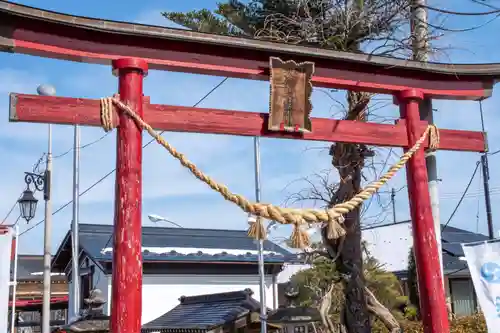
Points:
(107, 114)
(434, 137)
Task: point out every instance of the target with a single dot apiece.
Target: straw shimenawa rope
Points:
(333, 216)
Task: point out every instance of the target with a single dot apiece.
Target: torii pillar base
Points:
(432, 299)
(126, 301)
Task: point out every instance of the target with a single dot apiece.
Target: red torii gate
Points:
(132, 48)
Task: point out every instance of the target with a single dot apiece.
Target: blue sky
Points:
(171, 191)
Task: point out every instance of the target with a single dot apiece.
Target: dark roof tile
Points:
(28, 264)
(205, 312)
(95, 237)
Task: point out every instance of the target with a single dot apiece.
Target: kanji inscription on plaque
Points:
(290, 101)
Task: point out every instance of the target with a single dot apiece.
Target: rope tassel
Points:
(300, 238)
(257, 230)
(335, 229)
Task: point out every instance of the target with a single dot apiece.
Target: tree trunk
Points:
(382, 312)
(350, 263)
(348, 159)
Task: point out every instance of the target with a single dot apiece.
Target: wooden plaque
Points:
(290, 101)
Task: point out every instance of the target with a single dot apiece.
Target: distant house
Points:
(176, 262)
(29, 291)
(235, 311)
(391, 244)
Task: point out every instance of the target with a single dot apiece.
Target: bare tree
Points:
(371, 26)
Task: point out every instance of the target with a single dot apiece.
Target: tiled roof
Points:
(453, 238)
(452, 249)
(183, 245)
(205, 312)
(29, 264)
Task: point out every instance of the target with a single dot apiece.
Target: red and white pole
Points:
(432, 299)
(126, 301)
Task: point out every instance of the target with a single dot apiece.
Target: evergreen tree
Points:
(314, 283)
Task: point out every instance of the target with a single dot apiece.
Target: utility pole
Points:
(393, 201)
(75, 286)
(486, 180)
(46, 90)
(420, 34)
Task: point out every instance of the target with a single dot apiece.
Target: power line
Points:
(35, 168)
(83, 146)
(39, 161)
(442, 28)
(112, 171)
(495, 190)
(476, 194)
(463, 195)
(445, 11)
(494, 153)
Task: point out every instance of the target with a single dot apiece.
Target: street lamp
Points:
(27, 205)
(157, 218)
(28, 202)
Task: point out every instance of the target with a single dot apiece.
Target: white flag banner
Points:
(483, 260)
(5, 260)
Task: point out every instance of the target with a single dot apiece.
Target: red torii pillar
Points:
(432, 296)
(127, 255)
(126, 302)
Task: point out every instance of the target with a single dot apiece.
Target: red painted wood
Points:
(63, 110)
(20, 303)
(432, 297)
(48, 34)
(222, 64)
(126, 303)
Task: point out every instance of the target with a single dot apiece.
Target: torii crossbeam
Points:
(132, 48)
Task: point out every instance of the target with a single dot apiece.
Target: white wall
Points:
(290, 270)
(5, 262)
(161, 293)
(390, 245)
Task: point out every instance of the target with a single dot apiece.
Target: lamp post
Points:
(157, 218)
(75, 245)
(27, 206)
(28, 203)
(260, 247)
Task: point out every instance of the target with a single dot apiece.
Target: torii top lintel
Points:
(38, 32)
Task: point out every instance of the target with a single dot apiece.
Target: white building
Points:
(176, 262)
(391, 244)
